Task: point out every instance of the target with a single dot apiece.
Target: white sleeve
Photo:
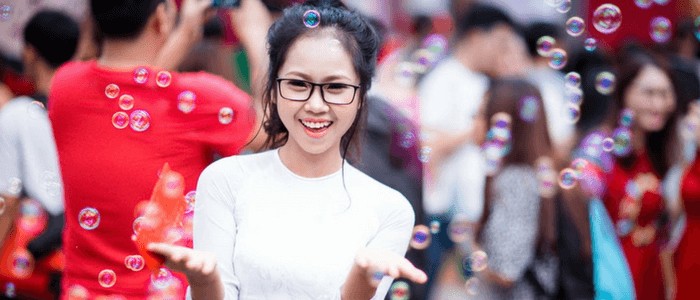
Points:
(394, 234)
(28, 152)
(215, 224)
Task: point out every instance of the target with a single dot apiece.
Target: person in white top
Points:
(297, 222)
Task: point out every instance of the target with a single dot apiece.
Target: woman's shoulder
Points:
(241, 166)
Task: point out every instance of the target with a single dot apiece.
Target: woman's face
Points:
(651, 98)
(316, 126)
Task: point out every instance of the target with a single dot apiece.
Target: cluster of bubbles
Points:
(433, 48)
(573, 95)
(140, 120)
(546, 176)
(475, 262)
(498, 142)
(190, 199)
(311, 18)
(134, 262)
(557, 56)
(645, 4)
(89, 218)
(622, 135)
(107, 278)
(10, 290)
(660, 29)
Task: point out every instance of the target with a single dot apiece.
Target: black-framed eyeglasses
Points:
(301, 90)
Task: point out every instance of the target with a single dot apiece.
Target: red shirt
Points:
(111, 169)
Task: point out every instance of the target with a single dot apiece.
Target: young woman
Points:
(633, 196)
(297, 221)
(513, 223)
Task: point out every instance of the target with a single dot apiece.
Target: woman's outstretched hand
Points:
(198, 266)
(370, 266)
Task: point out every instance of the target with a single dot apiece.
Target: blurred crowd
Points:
(548, 148)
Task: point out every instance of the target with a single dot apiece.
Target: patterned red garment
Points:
(686, 257)
(643, 260)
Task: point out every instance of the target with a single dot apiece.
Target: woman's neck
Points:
(639, 140)
(310, 165)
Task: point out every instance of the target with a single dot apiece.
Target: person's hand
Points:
(647, 182)
(198, 266)
(378, 263)
(194, 13)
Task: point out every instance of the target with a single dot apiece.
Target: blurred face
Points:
(496, 42)
(651, 98)
(316, 126)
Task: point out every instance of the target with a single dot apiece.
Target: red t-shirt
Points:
(112, 169)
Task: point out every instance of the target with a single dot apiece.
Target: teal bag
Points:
(612, 278)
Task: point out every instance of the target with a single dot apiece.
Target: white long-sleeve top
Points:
(277, 235)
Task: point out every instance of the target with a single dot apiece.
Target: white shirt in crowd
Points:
(28, 153)
(277, 235)
(450, 97)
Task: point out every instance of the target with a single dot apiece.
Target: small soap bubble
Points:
(22, 263)
(575, 26)
(14, 186)
(126, 102)
(479, 260)
(36, 110)
(572, 113)
(624, 227)
(661, 2)
(623, 141)
(529, 108)
(89, 218)
(139, 120)
(605, 83)
(574, 95)
(626, 117)
(435, 43)
(579, 165)
(163, 79)
(421, 237)
(567, 179)
(467, 271)
(558, 59)
(190, 198)
(590, 44)
(424, 154)
(10, 291)
(312, 18)
(107, 278)
(608, 144)
(545, 45)
(225, 115)
(120, 120)
(459, 229)
(112, 91)
(408, 139)
(186, 101)
(51, 183)
(5, 12)
(138, 224)
(660, 29)
(141, 75)
(472, 286)
(434, 226)
(572, 79)
(161, 278)
(78, 292)
(400, 290)
(643, 4)
(134, 262)
(607, 18)
(564, 6)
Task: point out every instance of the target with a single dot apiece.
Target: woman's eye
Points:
(296, 83)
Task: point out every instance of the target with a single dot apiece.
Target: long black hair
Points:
(356, 35)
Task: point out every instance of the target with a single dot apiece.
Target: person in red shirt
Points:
(117, 121)
(634, 197)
